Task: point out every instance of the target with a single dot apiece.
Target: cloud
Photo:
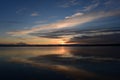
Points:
(69, 3)
(69, 22)
(54, 34)
(34, 14)
(96, 37)
(75, 15)
(109, 2)
(11, 22)
(83, 36)
(95, 3)
(41, 22)
(19, 11)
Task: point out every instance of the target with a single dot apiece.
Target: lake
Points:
(60, 63)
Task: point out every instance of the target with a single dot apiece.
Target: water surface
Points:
(60, 63)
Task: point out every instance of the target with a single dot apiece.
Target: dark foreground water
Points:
(60, 63)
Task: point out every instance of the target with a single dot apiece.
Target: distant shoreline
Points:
(75, 45)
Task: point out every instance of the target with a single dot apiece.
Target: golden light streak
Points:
(62, 42)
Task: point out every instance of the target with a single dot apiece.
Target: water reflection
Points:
(72, 72)
(32, 51)
(78, 63)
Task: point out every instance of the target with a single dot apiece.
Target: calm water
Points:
(60, 63)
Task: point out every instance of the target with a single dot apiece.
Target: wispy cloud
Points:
(11, 22)
(75, 15)
(69, 22)
(20, 11)
(40, 22)
(94, 4)
(90, 7)
(111, 2)
(108, 2)
(35, 14)
(70, 3)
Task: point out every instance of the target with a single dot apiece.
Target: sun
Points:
(62, 42)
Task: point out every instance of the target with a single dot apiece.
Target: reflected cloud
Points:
(72, 61)
(64, 65)
(72, 72)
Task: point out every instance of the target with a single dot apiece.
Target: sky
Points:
(59, 21)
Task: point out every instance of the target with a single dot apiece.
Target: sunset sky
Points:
(59, 21)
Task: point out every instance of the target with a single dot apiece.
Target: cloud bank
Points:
(69, 21)
(65, 29)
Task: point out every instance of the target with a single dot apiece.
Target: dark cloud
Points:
(47, 35)
(97, 36)
(111, 38)
(84, 36)
(55, 34)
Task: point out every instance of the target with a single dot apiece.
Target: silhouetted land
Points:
(52, 45)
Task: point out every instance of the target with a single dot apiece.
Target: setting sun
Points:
(62, 42)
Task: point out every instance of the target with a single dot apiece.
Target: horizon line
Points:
(38, 45)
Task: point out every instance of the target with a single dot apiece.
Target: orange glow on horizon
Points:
(62, 42)
(34, 41)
